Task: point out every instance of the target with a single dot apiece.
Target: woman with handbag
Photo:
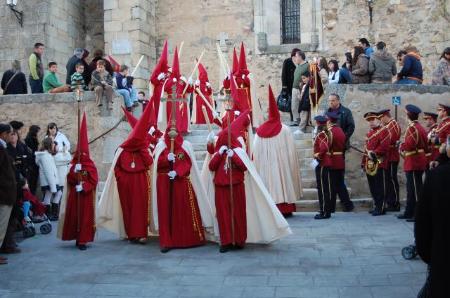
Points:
(14, 80)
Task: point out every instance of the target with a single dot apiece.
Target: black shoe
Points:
(165, 250)
(238, 247)
(404, 216)
(225, 248)
(55, 212)
(393, 209)
(82, 246)
(378, 212)
(348, 209)
(294, 124)
(371, 211)
(287, 215)
(322, 216)
(412, 219)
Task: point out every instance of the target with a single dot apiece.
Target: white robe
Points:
(265, 223)
(276, 160)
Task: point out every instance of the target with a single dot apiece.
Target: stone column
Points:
(130, 33)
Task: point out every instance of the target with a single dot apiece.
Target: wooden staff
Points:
(193, 71)
(137, 65)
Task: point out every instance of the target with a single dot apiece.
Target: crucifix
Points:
(79, 99)
(228, 101)
(173, 133)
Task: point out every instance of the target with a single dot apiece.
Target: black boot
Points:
(55, 212)
(48, 211)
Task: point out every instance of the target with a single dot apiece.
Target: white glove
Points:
(243, 77)
(151, 130)
(79, 187)
(208, 84)
(215, 115)
(223, 149)
(183, 78)
(230, 152)
(77, 167)
(171, 157)
(210, 138)
(237, 113)
(314, 163)
(197, 82)
(190, 81)
(161, 76)
(172, 175)
(174, 80)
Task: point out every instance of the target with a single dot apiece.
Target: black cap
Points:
(430, 115)
(333, 116)
(321, 119)
(5, 127)
(413, 109)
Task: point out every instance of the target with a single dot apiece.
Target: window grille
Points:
(290, 21)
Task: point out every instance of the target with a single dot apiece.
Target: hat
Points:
(202, 73)
(130, 117)
(162, 65)
(413, 109)
(82, 152)
(16, 125)
(321, 119)
(235, 63)
(427, 115)
(175, 65)
(5, 127)
(333, 116)
(384, 112)
(242, 60)
(238, 125)
(272, 126)
(370, 115)
(444, 106)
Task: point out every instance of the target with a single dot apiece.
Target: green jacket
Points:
(299, 71)
(76, 81)
(51, 82)
(35, 65)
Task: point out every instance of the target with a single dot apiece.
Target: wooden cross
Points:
(173, 114)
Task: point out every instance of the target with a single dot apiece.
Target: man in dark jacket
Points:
(411, 72)
(72, 63)
(98, 55)
(345, 120)
(432, 229)
(287, 74)
(14, 80)
(382, 66)
(8, 192)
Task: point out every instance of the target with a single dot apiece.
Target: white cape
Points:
(204, 205)
(265, 223)
(276, 160)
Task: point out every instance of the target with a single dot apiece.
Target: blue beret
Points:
(413, 109)
(321, 119)
(333, 116)
(430, 114)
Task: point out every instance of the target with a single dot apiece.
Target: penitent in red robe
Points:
(133, 182)
(182, 108)
(180, 223)
(86, 202)
(223, 198)
(207, 92)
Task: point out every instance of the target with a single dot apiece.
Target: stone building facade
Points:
(128, 29)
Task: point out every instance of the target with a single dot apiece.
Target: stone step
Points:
(311, 193)
(361, 204)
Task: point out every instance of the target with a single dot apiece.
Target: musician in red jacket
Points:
(337, 168)
(375, 161)
(392, 185)
(413, 150)
(431, 125)
(321, 151)
(442, 131)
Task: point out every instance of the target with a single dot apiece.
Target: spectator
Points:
(411, 72)
(345, 120)
(323, 71)
(400, 55)
(333, 75)
(102, 83)
(441, 76)
(432, 230)
(77, 80)
(302, 68)
(360, 67)
(98, 55)
(36, 68)
(364, 43)
(48, 175)
(142, 100)
(287, 74)
(73, 61)
(8, 188)
(382, 65)
(304, 106)
(32, 142)
(87, 72)
(19, 152)
(14, 80)
(62, 159)
(51, 82)
(345, 76)
(125, 87)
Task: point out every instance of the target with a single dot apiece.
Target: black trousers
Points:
(324, 189)
(392, 186)
(338, 188)
(414, 185)
(377, 188)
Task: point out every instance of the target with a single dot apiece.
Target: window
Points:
(290, 21)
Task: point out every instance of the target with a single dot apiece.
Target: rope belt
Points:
(409, 153)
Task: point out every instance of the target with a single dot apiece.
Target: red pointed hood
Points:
(83, 144)
(130, 118)
(272, 126)
(202, 73)
(243, 61)
(175, 66)
(237, 126)
(163, 63)
(139, 139)
(235, 69)
(238, 101)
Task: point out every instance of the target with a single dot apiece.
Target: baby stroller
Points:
(34, 214)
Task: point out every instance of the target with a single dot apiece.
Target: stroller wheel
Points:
(409, 252)
(45, 228)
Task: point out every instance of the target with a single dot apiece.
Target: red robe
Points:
(415, 148)
(243, 90)
(207, 92)
(222, 199)
(86, 202)
(182, 108)
(180, 223)
(133, 184)
(337, 147)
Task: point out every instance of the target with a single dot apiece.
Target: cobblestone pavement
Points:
(351, 255)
